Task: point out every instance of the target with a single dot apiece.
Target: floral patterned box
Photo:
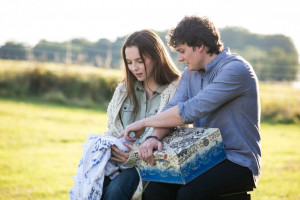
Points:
(187, 153)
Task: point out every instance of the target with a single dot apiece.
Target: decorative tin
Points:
(187, 153)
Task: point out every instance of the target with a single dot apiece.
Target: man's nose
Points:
(179, 58)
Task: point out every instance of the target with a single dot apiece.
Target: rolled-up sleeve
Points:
(231, 81)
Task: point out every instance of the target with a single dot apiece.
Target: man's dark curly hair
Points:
(195, 31)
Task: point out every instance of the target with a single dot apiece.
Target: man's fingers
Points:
(142, 153)
(150, 157)
(146, 150)
(160, 147)
(146, 154)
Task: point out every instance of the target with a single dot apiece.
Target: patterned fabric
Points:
(94, 165)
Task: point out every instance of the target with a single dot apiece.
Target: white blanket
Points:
(94, 165)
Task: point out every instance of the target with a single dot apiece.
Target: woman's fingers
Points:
(118, 155)
(129, 146)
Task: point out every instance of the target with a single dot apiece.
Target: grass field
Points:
(40, 146)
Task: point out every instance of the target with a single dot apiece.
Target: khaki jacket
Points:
(115, 127)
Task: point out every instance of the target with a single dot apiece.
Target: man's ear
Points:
(201, 48)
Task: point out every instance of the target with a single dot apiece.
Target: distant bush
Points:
(65, 84)
(280, 102)
(90, 86)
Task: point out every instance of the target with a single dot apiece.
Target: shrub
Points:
(63, 84)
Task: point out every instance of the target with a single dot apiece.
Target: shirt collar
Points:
(139, 86)
(219, 57)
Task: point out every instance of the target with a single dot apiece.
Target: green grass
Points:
(280, 177)
(40, 146)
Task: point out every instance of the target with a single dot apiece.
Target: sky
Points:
(61, 20)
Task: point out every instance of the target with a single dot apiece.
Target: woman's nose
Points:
(134, 66)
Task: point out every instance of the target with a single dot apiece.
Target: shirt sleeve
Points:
(230, 82)
(181, 94)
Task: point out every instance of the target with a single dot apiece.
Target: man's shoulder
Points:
(234, 62)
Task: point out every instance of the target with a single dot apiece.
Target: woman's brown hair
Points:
(149, 44)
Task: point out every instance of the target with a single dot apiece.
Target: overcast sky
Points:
(29, 21)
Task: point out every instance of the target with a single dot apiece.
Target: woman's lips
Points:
(139, 75)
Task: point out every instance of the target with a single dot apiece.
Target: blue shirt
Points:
(225, 96)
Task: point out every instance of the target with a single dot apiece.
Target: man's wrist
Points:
(144, 122)
(152, 136)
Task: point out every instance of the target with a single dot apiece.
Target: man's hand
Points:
(147, 148)
(120, 156)
(137, 127)
(166, 119)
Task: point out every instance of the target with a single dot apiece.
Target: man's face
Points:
(192, 58)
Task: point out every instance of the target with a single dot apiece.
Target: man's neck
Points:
(208, 59)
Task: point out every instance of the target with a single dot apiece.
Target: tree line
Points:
(274, 57)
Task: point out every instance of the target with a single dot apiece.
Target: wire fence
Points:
(111, 58)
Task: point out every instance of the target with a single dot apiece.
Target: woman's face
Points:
(136, 65)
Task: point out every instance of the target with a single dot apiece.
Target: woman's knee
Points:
(123, 186)
(127, 177)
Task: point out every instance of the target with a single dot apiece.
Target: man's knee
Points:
(161, 191)
(153, 190)
(185, 194)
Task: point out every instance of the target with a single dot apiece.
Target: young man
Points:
(218, 89)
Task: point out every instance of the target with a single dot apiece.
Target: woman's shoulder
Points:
(121, 87)
(174, 83)
(172, 86)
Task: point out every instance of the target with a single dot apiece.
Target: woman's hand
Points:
(120, 156)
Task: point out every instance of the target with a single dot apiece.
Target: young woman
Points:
(150, 81)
